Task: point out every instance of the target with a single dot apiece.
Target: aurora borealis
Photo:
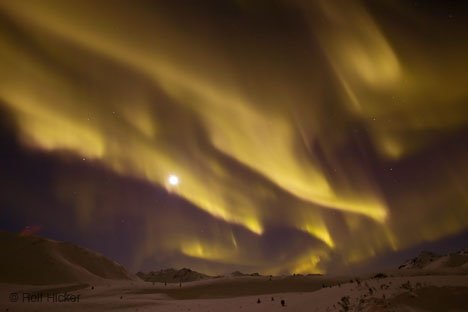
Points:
(306, 136)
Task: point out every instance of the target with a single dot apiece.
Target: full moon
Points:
(173, 179)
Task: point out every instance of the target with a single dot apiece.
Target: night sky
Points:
(273, 136)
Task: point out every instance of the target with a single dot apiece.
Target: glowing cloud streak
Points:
(128, 87)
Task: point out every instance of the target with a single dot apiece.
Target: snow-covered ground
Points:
(404, 293)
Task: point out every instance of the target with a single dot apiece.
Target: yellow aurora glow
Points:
(152, 92)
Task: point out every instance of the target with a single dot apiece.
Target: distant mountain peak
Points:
(428, 260)
(171, 275)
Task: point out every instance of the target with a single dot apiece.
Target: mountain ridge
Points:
(28, 259)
